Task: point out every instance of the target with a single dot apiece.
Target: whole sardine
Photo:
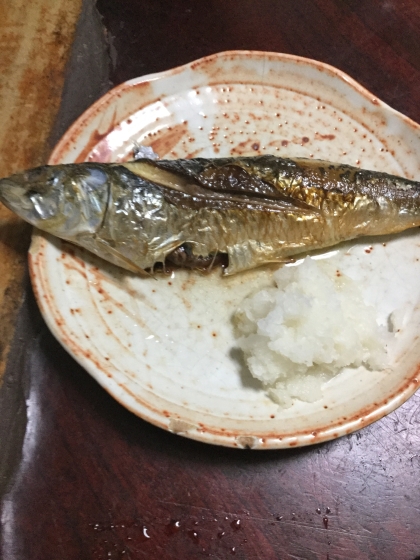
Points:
(254, 210)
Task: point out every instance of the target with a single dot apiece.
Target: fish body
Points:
(255, 210)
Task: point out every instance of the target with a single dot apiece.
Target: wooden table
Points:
(82, 478)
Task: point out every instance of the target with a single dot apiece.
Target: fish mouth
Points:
(13, 194)
(27, 198)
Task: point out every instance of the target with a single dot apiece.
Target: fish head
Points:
(64, 200)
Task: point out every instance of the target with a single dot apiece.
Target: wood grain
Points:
(35, 41)
(95, 482)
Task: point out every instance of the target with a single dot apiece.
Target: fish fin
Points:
(121, 260)
(254, 254)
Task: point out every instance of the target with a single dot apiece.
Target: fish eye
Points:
(95, 177)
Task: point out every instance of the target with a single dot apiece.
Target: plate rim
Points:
(319, 65)
(254, 441)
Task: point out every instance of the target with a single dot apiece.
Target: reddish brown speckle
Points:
(305, 139)
(255, 146)
(319, 136)
(284, 142)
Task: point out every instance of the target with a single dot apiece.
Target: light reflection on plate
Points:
(165, 347)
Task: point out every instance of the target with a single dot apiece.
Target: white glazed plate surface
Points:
(165, 347)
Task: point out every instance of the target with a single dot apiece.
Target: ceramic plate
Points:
(164, 347)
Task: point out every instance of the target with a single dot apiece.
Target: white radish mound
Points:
(299, 334)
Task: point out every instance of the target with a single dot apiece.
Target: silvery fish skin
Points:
(256, 210)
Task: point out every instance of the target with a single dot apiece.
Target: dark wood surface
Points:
(82, 478)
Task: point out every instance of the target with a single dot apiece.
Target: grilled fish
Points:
(251, 211)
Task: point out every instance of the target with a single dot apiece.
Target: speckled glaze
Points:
(165, 347)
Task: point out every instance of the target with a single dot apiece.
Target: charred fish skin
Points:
(256, 210)
(315, 183)
(274, 208)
